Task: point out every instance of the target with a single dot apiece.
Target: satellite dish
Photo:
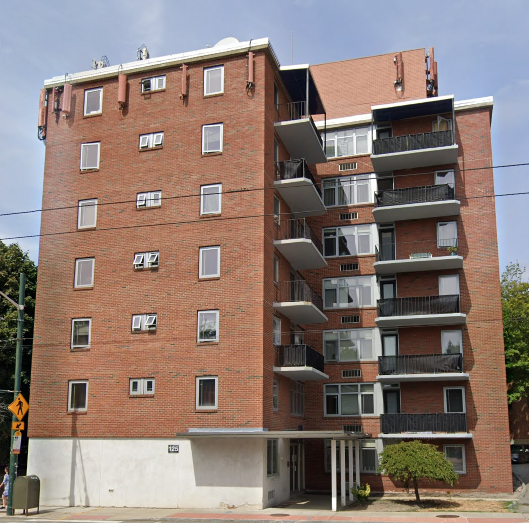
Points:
(226, 42)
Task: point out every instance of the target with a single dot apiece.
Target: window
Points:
(449, 285)
(349, 241)
(214, 80)
(90, 156)
(445, 177)
(146, 260)
(276, 96)
(275, 395)
(211, 199)
(277, 210)
(208, 326)
(84, 272)
(77, 396)
(141, 387)
(148, 199)
(272, 457)
(349, 190)
(81, 328)
(454, 400)
(276, 152)
(277, 331)
(151, 140)
(442, 124)
(447, 234)
(212, 138)
(155, 83)
(348, 345)
(297, 398)
(144, 322)
(327, 456)
(87, 214)
(209, 262)
(207, 392)
(349, 399)
(452, 342)
(348, 142)
(455, 454)
(349, 293)
(93, 101)
(276, 269)
(368, 456)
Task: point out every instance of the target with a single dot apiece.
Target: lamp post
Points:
(13, 458)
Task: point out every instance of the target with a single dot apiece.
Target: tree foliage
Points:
(413, 461)
(515, 301)
(13, 261)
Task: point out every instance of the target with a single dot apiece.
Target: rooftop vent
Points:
(142, 52)
(99, 64)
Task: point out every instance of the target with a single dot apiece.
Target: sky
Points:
(480, 47)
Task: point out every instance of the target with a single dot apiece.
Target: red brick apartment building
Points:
(256, 277)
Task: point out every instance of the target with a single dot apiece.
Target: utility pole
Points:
(13, 458)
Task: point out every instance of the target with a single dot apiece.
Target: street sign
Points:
(19, 407)
(18, 425)
(17, 442)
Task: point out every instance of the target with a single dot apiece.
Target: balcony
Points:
(418, 311)
(299, 245)
(413, 203)
(297, 186)
(299, 362)
(299, 302)
(417, 256)
(421, 367)
(448, 425)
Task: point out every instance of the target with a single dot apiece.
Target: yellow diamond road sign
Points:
(19, 407)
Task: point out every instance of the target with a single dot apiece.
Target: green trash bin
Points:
(26, 493)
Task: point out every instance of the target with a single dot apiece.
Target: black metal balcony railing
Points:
(292, 169)
(416, 249)
(299, 229)
(411, 195)
(413, 142)
(448, 304)
(398, 423)
(420, 364)
(296, 291)
(299, 356)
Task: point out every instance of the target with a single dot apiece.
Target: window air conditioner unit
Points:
(417, 255)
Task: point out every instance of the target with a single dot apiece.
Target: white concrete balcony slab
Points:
(299, 302)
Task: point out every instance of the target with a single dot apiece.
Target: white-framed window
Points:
(207, 392)
(446, 234)
(209, 262)
(155, 83)
(87, 214)
(349, 345)
(141, 386)
(144, 322)
(368, 456)
(277, 210)
(275, 395)
(455, 454)
(148, 199)
(81, 333)
(211, 199)
(349, 190)
(276, 96)
(151, 140)
(84, 272)
(272, 457)
(348, 142)
(297, 398)
(349, 293)
(213, 80)
(452, 342)
(212, 138)
(77, 395)
(349, 399)
(276, 269)
(277, 331)
(454, 400)
(449, 285)
(93, 101)
(445, 177)
(146, 260)
(352, 240)
(208, 326)
(90, 156)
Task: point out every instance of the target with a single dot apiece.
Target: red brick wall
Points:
(519, 421)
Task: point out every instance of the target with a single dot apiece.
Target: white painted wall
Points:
(279, 483)
(206, 473)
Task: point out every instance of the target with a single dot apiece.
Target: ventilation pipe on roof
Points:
(67, 100)
(43, 113)
(250, 84)
(183, 94)
(122, 90)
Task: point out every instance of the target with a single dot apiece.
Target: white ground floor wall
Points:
(205, 473)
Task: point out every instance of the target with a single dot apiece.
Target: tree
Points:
(13, 261)
(413, 461)
(515, 301)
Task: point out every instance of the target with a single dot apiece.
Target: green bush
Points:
(361, 493)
